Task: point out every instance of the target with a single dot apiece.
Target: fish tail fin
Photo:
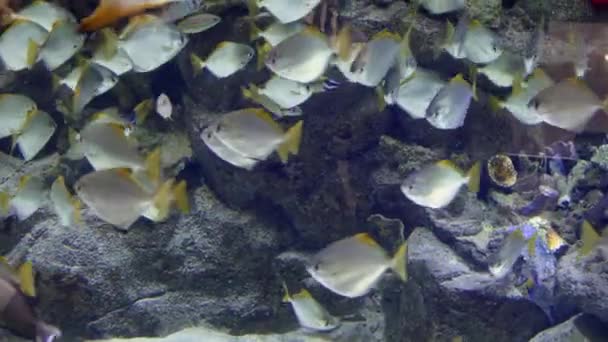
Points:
(449, 36)
(180, 195)
(250, 92)
(197, 64)
(262, 52)
(32, 53)
(46, 332)
(5, 203)
(252, 8)
(589, 237)
(474, 176)
(495, 104)
(163, 199)
(153, 165)
(142, 111)
(26, 279)
(380, 98)
(107, 12)
(286, 296)
(399, 262)
(109, 44)
(254, 31)
(343, 42)
(291, 143)
(56, 82)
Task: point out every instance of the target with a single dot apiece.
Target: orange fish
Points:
(110, 11)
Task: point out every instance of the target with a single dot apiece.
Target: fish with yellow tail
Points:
(351, 267)
(245, 137)
(590, 239)
(449, 107)
(309, 312)
(118, 198)
(436, 185)
(66, 206)
(285, 11)
(226, 59)
(16, 312)
(20, 44)
(255, 94)
(30, 196)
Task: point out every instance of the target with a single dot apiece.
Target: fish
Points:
(276, 32)
(442, 6)
(504, 70)
(108, 12)
(198, 23)
(66, 206)
(568, 104)
(345, 66)
(287, 11)
(20, 44)
(30, 196)
(149, 42)
(416, 93)
(226, 59)
(481, 45)
(533, 52)
(164, 108)
(449, 107)
(16, 111)
(436, 185)
(116, 197)
(351, 267)
(310, 314)
(453, 43)
(62, 44)
(107, 147)
(16, 311)
(376, 58)
(254, 94)
(45, 14)
(406, 63)
(251, 134)
(177, 10)
(36, 135)
(510, 251)
(303, 57)
(94, 80)
(287, 93)
(521, 94)
(119, 63)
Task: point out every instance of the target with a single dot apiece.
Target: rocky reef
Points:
(222, 265)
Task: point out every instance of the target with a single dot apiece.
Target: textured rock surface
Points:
(578, 328)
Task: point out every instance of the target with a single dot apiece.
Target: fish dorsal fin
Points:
(386, 34)
(303, 294)
(286, 297)
(124, 173)
(26, 278)
(459, 79)
(475, 23)
(517, 234)
(516, 85)
(264, 116)
(448, 164)
(589, 237)
(366, 239)
(222, 45)
(23, 182)
(539, 73)
(117, 128)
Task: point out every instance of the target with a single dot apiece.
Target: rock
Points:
(581, 327)
(445, 298)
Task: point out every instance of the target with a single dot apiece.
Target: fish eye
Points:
(317, 266)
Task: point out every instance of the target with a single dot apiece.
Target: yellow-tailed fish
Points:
(310, 314)
(66, 206)
(117, 198)
(568, 104)
(254, 94)
(521, 94)
(15, 112)
(179, 9)
(346, 65)
(589, 237)
(107, 147)
(45, 14)
(351, 267)
(20, 44)
(442, 6)
(110, 11)
(535, 48)
(453, 43)
(303, 57)
(504, 70)
(276, 32)
(35, 135)
(415, 94)
(164, 108)
(198, 23)
(376, 58)
(450, 106)
(436, 185)
(93, 81)
(288, 93)
(30, 196)
(63, 42)
(149, 42)
(251, 134)
(407, 63)
(119, 63)
(226, 59)
(287, 11)
(481, 45)
(511, 249)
